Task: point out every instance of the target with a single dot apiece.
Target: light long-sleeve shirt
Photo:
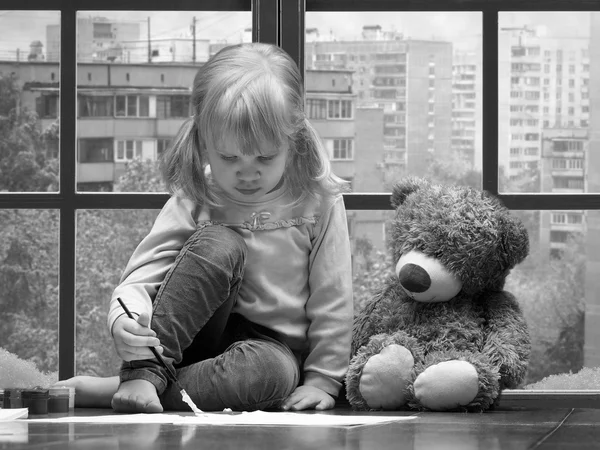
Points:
(297, 278)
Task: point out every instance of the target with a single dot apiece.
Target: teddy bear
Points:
(442, 334)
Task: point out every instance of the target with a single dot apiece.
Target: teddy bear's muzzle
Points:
(425, 279)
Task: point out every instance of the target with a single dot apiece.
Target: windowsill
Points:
(534, 399)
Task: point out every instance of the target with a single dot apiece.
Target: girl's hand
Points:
(132, 338)
(305, 397)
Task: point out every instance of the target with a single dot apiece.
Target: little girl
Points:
(246, 273)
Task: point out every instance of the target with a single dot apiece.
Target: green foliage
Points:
(587, 378)
(24, 162)
(18, 373)
(141, 176)
(29, 279)
(105, 241)
(370, 274)
(551, 293)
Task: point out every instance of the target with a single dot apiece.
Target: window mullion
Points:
(66, 270)
(292, 30)
(265, 21)
(490, 102)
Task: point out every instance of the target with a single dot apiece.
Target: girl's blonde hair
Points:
(254, 94)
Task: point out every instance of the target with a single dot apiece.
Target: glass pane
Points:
(395, 93)
(371, 261)
(547, 62)
(29, 297)
(556, 287)
(29, 101)
(105, 241)
(138, 87)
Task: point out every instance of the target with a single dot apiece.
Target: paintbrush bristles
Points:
(186, 398)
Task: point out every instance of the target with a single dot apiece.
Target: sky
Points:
(462, 28)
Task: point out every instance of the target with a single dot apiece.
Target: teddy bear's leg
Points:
(380, 371)
(454, 381)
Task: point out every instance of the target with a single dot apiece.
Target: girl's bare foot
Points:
(92, 392)
(134, 396)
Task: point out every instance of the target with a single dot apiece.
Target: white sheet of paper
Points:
(245, 418)
(14, 413)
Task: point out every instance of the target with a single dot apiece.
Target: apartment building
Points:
(467, 114)
(562, 170)
(353, 137)
(592, 219)
(543, 84)
(129, 111)
(411, 80)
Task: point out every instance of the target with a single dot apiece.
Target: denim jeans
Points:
(221, 359)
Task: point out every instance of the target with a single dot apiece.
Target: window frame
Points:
(281, 22)
(68, 200)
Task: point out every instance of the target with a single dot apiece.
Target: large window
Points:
(473, 94)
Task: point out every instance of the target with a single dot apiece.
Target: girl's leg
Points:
(255, 372)
(192, 305)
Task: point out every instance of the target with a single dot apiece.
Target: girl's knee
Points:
(281, 373)
(269, 375)
(218, 242)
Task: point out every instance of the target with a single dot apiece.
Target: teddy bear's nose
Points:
(414, 278)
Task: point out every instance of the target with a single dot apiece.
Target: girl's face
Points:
(253, 177)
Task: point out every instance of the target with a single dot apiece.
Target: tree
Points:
(24, 162)
(551, 293)
(29, 279)
(141, 176)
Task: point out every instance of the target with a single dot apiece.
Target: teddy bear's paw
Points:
(447, 385)
(384, 377)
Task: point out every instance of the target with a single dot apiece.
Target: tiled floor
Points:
(558, 428)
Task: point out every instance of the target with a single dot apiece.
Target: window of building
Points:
(95, 150)
(567, 146)
(95, 105)
(128, 150)
(132, 105)
(316, 108)
(340, 149)
(162, 145)
(339, 109)
(559, 236)
(172, 106)
(47, 106)
(568, 182)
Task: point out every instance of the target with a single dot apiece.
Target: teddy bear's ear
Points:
(404, 188)
(515, 240)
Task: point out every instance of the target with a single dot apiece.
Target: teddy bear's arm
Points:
(507, 342)
(369, 321)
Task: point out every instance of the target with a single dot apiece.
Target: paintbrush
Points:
(184, 395)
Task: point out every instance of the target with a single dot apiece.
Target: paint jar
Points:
(58, 401)
(12, 398)
(36, 400)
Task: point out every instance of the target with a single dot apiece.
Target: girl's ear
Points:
(404, 188)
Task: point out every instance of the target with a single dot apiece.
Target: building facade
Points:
(467, 111)
(543, 84)
(410, 80)
(133, 111)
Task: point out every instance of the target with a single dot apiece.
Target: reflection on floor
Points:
(558, 428)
